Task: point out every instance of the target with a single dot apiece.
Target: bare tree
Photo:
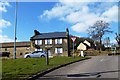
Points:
(98, 30)
(118, 39)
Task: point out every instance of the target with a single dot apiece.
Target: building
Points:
(84, 46)
(21, 47)
(55, 43)
(88, 43)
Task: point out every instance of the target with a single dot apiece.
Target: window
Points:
(48, 41)
(38, 49)
(38, 42)
(58, 41)
(58, 50)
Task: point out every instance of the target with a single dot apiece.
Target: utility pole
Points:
(15, 29)
(68, 41)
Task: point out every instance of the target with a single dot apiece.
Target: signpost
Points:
(73, 39)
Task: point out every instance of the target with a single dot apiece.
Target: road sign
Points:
(73, 38)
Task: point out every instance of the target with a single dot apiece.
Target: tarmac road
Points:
(96, 67)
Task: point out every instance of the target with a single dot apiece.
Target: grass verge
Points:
(21, 69)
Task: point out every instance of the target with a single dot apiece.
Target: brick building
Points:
(21, 47)
(55, 43)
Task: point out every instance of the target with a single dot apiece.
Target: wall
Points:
(53, 46)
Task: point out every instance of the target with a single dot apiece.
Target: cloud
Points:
(81, 15)
(111, 14)
(5, 38)
(79, 27)
(3, 6)
(62, 9)
(4, 23)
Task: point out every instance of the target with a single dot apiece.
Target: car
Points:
(35, 54)
(5, 54)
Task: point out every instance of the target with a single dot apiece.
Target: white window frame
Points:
(48, 41)
(58, 41)
(58, 52)
(38, 42)
(38, 49)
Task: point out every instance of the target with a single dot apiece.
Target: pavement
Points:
(96, 67)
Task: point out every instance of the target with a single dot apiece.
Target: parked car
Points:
(35, 54)
(4, 54)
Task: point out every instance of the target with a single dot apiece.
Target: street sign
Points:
(73, 38)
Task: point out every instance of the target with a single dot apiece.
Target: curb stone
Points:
(52, 69)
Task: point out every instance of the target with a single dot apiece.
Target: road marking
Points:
(101, 60)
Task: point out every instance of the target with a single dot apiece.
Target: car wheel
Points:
(28, 57)
(42, 56)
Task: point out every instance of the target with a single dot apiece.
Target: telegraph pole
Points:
(15, 29)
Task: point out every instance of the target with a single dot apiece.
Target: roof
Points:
(18, 44)
(49, 35)
(87, 42)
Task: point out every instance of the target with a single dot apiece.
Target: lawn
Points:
(23, 68)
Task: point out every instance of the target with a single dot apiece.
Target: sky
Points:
(45, 17)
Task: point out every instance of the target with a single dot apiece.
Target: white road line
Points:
(101, 60)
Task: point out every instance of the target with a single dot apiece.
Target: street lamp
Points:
(15, 29)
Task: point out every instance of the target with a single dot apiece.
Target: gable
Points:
(82, 47)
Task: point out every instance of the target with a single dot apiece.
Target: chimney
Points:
(36, 32)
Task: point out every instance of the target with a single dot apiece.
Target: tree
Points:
(118, 39)
(98, 30)
(107, 42)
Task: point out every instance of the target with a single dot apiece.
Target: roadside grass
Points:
(23, 68)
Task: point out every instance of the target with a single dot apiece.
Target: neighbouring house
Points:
(87, 42)
(21, 47)
(55, 43)
(84, 45)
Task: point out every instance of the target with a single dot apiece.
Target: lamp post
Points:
(15, 29)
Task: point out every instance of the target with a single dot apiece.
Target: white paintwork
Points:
(82, 54)
(88, 43)
(82, 47)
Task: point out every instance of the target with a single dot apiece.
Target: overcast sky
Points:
(56, 16)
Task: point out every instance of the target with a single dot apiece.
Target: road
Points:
(96, 67)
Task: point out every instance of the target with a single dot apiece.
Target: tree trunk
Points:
(100, 45)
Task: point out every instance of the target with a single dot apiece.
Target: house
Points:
(88, 43)
(55, 43)
(21, 47)
(84, 45)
